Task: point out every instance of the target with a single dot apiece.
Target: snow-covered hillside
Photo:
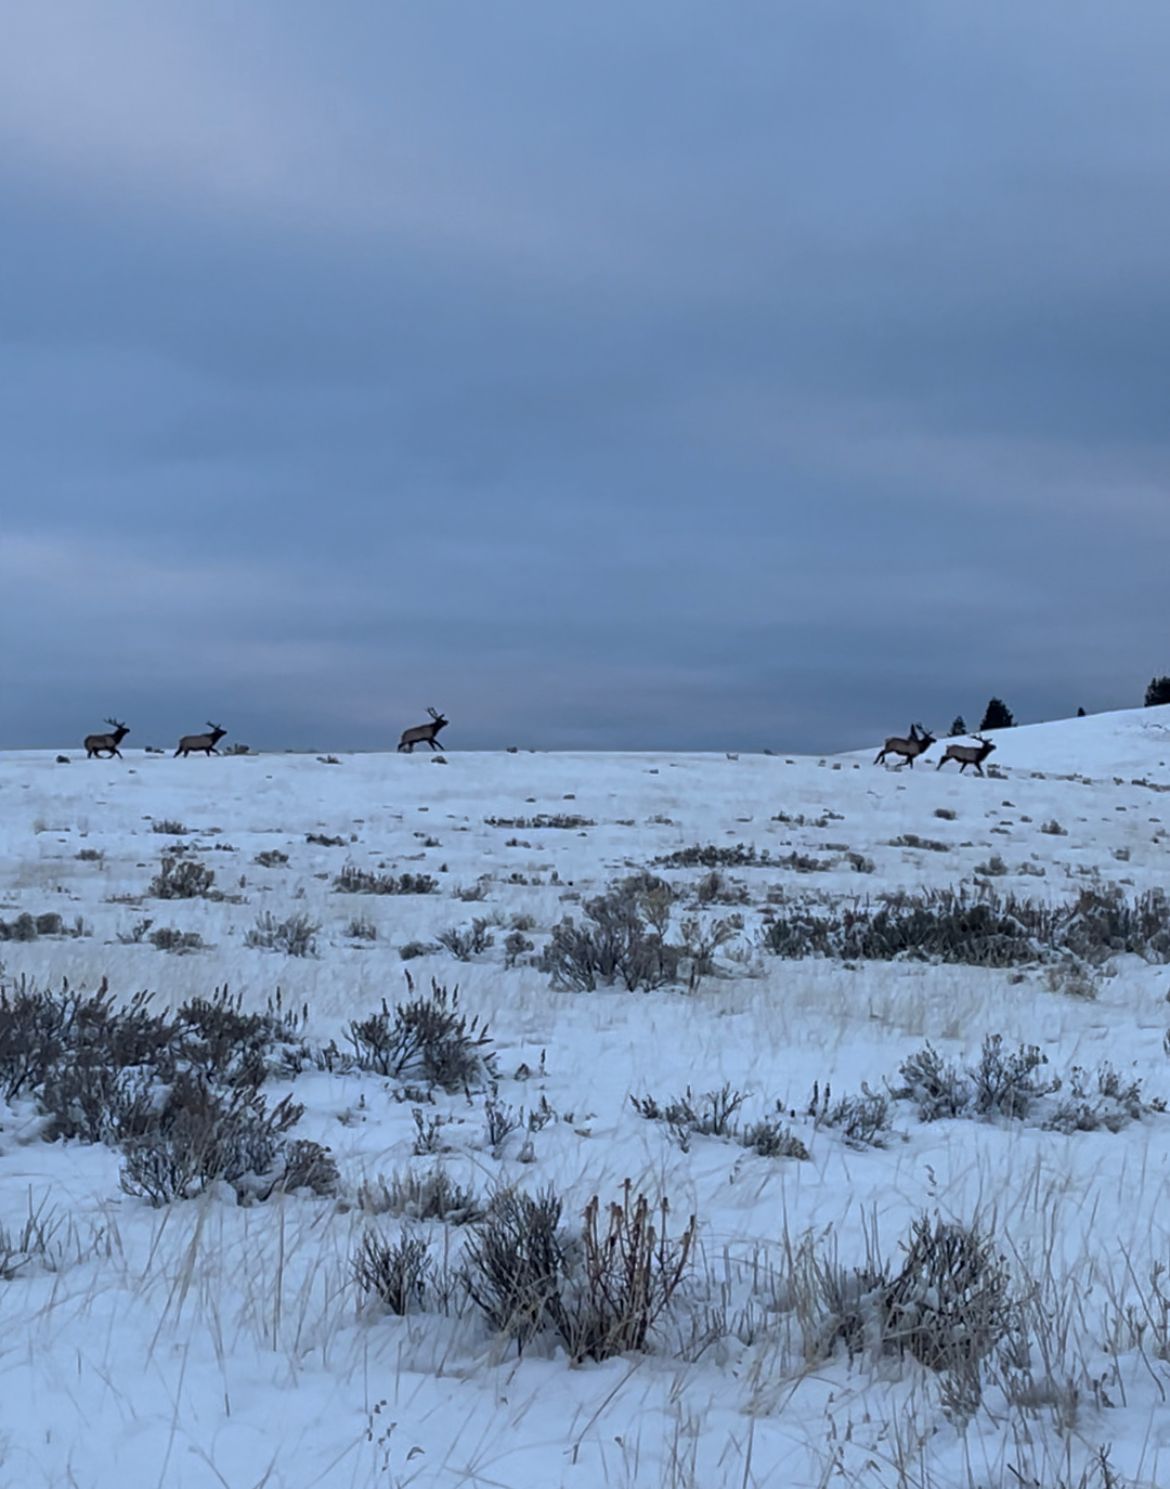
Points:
(210, 1342)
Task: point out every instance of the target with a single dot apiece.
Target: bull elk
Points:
(423, 733)
(97, 744)
(204, 742)
(968, 754)
(916, 743)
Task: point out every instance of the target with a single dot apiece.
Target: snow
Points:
(210, 1343)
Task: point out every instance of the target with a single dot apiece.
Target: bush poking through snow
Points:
(169, 938)
(515, 1264)
(464, 944)
(990, 930)
(426, 1038)
(602, 1293)
(630, 1270)
(353, 880)
(622, 941)
(296, 936)
(949, 1305)
(201, 1135)
(433, 1195)
(396, 1274)
(864, 1121)
(1101, 1099)
(28, 927)
(936, 1085)
(181, 879)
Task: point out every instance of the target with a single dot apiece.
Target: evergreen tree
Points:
(1080, 713)
(997, 715)
(1158, 692)
(958, 725)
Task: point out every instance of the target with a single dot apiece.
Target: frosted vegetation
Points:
(588, 1120)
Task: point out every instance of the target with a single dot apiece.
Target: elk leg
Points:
(433, 744)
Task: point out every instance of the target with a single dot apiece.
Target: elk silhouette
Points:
(916, 743)
(423, 733)
(204, 742)
(96, 744)
(968, 754)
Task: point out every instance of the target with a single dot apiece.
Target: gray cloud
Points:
(614, 378)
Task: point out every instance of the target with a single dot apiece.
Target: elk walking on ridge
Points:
(204, 742)
(916, 743)
(96, 743)
(423, 733)
(968, 754)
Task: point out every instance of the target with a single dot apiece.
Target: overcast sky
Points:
(616, 376)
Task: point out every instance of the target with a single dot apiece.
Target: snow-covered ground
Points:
(210, 1343)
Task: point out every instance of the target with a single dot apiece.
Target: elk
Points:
(423, 733)
(916, 743)
(204, 742)
(968, 754)
(95, 744)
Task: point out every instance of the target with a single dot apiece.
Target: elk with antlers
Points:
(968, 754)
(423, 733)
(204, 742)
(97, 744)
(916, 743)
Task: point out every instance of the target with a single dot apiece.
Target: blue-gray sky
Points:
(653, 375)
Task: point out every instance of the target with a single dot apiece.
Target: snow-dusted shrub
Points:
(309, 1165)
(1101, 1099)
(1006, 1083)
(471, 941)
(950, 1304)
(433, 1195)
(623, 940)
(1002, 1082)
(516, 945)
(710, 1115)
(43, 1030)
(715, 888)
(770, 1138)
(716, 856)
(28, 927)
(516, 1263)
(563, 821)
(410, 950)
(169, 938)
(169, 826)
(630, 1269)
(936, 1085)
(990, 929)
(323, 840)
(181, 879)
(353, 880)
(425, 1038)
(296, 936)
(912, 840)
(394, 1272)
(602, 1292)
(230, 1046)
(201, 1135)
(271, 858)
(864, 1121)
(361, 928)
